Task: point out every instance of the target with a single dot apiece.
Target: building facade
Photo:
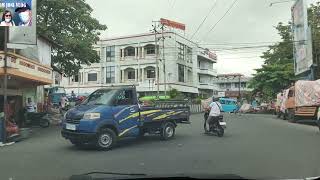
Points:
(28, 70)
(132, 60)
(229, 85)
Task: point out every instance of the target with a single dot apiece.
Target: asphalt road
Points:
(254, 146)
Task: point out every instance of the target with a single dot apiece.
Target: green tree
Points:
(278, 70)
(173, 93)
(70, 25)
(314, 23)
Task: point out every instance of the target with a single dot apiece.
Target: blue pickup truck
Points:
(110, 114)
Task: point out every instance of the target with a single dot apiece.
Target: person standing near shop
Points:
(31, 106)
(63, 103)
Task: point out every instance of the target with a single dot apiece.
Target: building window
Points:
(131, 74)
(98, 52)
(110, 76)
(236, 85)
(189, 54)
(222, 86)
(92, 77)
(243, 84)
(75, 78)
(190, 76)
(181, 51)
(181, 73)
(228, 85)
(150, 49)
(129, 51)
(151, 73)
(110, 53)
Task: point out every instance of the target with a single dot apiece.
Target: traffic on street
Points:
(254, 146)
(144, 89)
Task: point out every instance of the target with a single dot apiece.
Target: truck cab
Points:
(110, 114)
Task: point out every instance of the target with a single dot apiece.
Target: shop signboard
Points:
(302, 38)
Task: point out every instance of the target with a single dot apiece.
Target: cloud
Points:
(248, 21)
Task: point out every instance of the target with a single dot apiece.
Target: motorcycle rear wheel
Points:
(220, 132)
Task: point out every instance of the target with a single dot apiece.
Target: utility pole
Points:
(239, 86)
(6, 34)
(164, 62)
(154, 30)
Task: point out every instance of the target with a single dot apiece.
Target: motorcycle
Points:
(37, 119)
(216, 127)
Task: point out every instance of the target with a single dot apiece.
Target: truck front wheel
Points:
(106, 139)
(168, 131)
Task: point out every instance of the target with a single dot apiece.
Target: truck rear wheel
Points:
(168, 131)
(106, 139)
(291, 116)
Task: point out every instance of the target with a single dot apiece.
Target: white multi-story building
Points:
(229, 85)
(131, 60)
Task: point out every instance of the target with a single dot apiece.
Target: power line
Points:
(205, 18)
(172, 6)
(230, 7)
(247, 57)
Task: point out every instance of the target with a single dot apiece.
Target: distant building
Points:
(131, 60)
(227, 85)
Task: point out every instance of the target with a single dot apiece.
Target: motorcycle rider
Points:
(215, 111)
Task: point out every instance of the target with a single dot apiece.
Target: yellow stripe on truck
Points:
(171, 113)
(126, 130)
(137, 114)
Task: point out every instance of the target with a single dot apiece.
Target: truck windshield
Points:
(100, 97)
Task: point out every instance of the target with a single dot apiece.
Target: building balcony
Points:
(206, 86)
(211, 72)
(207, 56)
(24, 70)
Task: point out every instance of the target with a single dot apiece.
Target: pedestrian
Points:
(7, 19)
(63, 102)
(30, 109)
(73, 96)
(25, 15)
(31, 106)
(215, 111)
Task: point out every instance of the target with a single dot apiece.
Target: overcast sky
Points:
(249, 21)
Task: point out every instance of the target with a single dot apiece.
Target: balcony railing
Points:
(208, 56)
(212, 72)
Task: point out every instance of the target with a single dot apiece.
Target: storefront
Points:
(26, 79)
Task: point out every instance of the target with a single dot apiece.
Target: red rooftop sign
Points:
(173, 24)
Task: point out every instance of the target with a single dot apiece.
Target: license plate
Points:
(222, 123)
(71, 127)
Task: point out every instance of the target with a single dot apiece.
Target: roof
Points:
(146, 34)
(118, 87)
(229, 99)
(231, 74)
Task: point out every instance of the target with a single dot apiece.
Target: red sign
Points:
(173, 24)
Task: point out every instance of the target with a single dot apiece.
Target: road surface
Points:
(254, 146)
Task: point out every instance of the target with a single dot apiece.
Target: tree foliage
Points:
(70, 25)
(277, 72)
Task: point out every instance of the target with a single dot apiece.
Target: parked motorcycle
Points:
(216, 127)
(37, 119)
